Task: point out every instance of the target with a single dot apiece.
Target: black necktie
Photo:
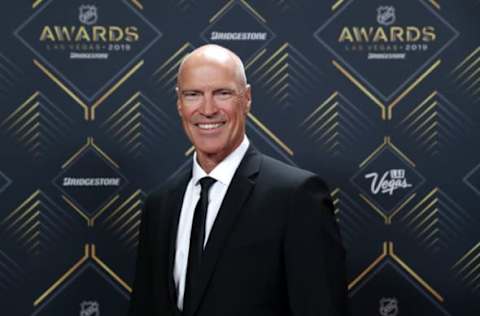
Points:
(197, 237)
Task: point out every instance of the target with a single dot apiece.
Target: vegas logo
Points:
(387, 179)
(390, 181)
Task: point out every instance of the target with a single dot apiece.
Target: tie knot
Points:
(206, 183)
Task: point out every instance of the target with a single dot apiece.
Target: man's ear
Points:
(248, 98)
(179, 103)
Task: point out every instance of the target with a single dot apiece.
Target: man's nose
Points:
(209, 107)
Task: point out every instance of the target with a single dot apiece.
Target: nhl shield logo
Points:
(89, 308)
(388, 307)
(386, 15)
(87, 14)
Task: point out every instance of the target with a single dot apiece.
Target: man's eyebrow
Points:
(223, 89)
(190, 90)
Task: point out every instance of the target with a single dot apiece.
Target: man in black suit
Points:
(238, 233)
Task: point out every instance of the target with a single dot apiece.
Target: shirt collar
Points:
(225, 170)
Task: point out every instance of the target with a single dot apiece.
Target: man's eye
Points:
(190, 95)
(224, 94)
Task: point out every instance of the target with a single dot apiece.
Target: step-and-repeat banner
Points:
(379, 97)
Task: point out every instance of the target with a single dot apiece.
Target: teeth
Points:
(210, 126)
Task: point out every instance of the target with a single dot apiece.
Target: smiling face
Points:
(213, 100)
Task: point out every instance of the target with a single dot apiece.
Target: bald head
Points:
(214, 54)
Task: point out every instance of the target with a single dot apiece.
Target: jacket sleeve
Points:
(141, 297)
(314, 255)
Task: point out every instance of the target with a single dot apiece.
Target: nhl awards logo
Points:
(366, 36)
(386, 15)
(387, 41)
(87, 44)
(88, 14)
(89, 40)
(89, 308)
(388, 306)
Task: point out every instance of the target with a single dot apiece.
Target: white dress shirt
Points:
(223, 173)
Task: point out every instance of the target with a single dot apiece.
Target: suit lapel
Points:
(174, 203)
(238, 192)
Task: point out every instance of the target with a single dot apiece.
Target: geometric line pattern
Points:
(285, 76)
(105, 195)
(337, 124)
(467, 75)
(435, 124)
(37, 224)
(437, 221)
(137, 125)
(371, 267)
(9, 74)
(38, 125)
(246, 15)
(386, 110)
(352, 217)
(337, 4)
(107, 269)
(124, 221)
(4, 182)
(472, 179)
(137, 4)
(166, 74)
(89, 112)
(467, 268)
(36, 3)
(95, 275)
(388, 255)
(10, 272)
(88, 257)
(256, 122)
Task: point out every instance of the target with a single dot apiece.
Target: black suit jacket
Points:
(274, 248)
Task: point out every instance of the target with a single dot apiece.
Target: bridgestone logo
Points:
(239, 36)
(386, 56)
(97, 182)
(74, 55)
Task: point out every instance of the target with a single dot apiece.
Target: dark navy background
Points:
(88, 253)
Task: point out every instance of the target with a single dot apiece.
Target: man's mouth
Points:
(209, 126)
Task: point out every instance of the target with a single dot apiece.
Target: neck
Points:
(208, 162)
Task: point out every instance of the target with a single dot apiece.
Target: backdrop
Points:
(380, 97)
